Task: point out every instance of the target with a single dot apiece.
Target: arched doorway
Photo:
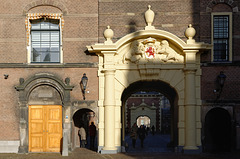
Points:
(217, 131)
(143, 120)
(164, 119)
(82, 118)
(44, 103)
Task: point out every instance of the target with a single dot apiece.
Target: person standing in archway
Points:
(133, 134)
(92, 134)
(142, 134)
(82, 134)
(153, 130)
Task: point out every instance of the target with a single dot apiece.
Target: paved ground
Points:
(156, 143)
(88, 154)
(154, 148)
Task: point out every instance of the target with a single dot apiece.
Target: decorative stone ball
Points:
(108, 33)
(190, 32)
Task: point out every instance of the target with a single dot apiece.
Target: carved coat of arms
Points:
(151, 49)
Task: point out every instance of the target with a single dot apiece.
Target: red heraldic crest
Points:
(150, 52)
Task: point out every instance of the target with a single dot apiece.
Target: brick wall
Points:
(80, 29)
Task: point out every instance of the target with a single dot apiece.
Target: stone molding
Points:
(53, 3)
(230, 3)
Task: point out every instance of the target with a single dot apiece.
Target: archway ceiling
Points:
(157, 86)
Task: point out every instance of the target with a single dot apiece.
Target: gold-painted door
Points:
(45, 128)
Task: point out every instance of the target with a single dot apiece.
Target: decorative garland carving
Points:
(34, 16)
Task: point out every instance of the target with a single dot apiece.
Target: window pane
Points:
(36, 55)
(220, 50)
(45, 46)
(45, 36)
(54, 46)
(55, 36)
(46, 57)
(35, 36)
(55, 57)
(36, 46)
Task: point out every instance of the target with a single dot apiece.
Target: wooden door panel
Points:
(36, 113)
(54, 128)
(54, 143)
(36, 127)
(54, 113)
(45, 128)
(37, 143)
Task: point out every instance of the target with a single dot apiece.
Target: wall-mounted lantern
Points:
(221, 79)
(83, 84)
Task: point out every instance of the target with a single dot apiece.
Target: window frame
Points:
(229, 14)
(36, 16)
(41, 31)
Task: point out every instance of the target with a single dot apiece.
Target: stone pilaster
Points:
(109, 113)
(190, 145)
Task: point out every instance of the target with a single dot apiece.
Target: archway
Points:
(150, 59)
(217, 131)
(164, 123)
(143, 120)
(82, 118)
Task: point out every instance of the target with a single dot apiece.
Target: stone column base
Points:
(99, 149)
(23, 149)
(109, 151)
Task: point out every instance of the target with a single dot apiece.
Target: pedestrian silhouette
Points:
(153, 130)
(92, 134)
(133, 134)
(142, 134)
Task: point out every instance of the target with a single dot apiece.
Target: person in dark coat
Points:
(142, 134)
(92, 134)
(133, 134)
(153, 129)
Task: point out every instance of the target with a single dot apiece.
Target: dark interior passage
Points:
(217, 131)
(158, 101)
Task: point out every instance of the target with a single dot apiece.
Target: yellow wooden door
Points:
(45, 128)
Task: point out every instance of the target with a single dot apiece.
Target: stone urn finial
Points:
(149, 17)
(190, 33)
(108, 34)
